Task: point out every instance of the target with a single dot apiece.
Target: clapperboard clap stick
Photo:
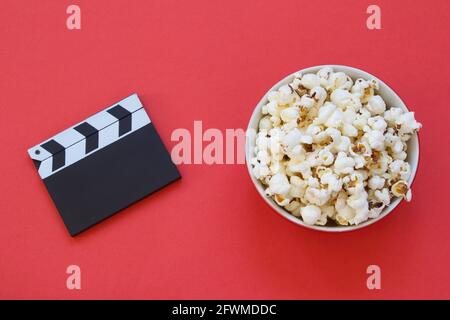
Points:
(103, 164)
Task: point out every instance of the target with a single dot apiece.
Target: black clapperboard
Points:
(103, 164)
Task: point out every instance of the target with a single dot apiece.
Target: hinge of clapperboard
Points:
(97, 131)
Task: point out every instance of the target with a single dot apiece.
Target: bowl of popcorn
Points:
(332, 148)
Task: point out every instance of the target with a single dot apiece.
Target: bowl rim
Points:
(284, 213)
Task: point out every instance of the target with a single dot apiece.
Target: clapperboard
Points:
(103, 164)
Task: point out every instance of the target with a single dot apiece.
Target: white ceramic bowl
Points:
(391, 99)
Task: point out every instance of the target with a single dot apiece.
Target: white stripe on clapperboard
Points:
(75, 143)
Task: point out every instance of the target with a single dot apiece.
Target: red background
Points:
(210, 235)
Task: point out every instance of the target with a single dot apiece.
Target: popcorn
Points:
(376, 182)
(293, 207)
(281, 200)
(407, 124)
(332, 181)
(339, 80)
(307, 102)
(261, 170)
(394, 142)
(293, 138)
(272, 108)
(344, 100)
(324, 75)
(401, 189)
(392, 115)
(341, 98)
(313, 182)
(329, 211)
(363, 174)
(349, 130)
(400, 155)
(375, 139)
(383, 196)
(310, 81)
(319, 94)
(361, 216)
(399, 169)
(325, 157)
(317, 196)
(376, 105)
(263, 157)
(375, 208)
(343, 164)
(302, 167)
(310, 214)
(285, 95)
(306, 139)
(298, 187)
(276, 167)
(279, 184)
(297, 153)
(335, 119)
(361, 119)
(265, 124)
(377, 123)
(343, 144)
(364, 89)
(276, 121)
(325, 112)
(353, 183)
(344, 213)
(322, 220)
(290, 114)
(360, 161)
(329, 149)
(276, 135)
(317, 133)
(360, 149)
(295, 84)
(262, 142)
(358, 202)
(378, 162)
